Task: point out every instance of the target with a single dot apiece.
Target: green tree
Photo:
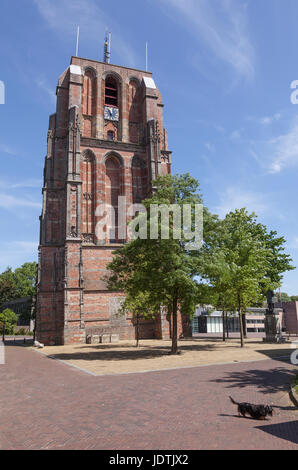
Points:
(249, 260)
(242, 262)
(18, 283)
(9, 319)
(163, 269)
(25, 280)
(7, 286)
(232, 277)
(283, 297)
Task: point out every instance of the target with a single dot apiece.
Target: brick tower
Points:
(105, 140)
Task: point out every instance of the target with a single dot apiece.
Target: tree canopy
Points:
(162, 269)
(242, 262)
(8, 319)
(238, 262)
(19, 283)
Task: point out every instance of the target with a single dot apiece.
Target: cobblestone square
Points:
(45, 404)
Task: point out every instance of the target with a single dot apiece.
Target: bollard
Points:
(3, 332)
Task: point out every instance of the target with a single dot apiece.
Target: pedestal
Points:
(273, 329)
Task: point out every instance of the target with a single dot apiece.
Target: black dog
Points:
(255, 411)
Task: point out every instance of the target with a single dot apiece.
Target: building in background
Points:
(290, 316)
(208, 320)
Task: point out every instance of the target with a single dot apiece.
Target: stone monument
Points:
(273, 327)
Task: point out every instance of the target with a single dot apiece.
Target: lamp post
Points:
(3, 332)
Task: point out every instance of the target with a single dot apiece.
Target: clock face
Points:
(111, 113)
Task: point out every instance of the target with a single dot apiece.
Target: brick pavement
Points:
(45, 404)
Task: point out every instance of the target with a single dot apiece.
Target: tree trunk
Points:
(241, 322)
(227, 326)
(244, 325)
(138, 331)
(223, 326)
(175, 326)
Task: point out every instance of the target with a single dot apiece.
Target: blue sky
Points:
(224, 68)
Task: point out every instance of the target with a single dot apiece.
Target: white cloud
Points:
(64, 16)
(210, 147)
(220, 129)
(25, 246)
(267, 120)
(45, 87)
(256, 157)
(285, 148)
(222, 25)
(237, 198)
(12, 202)
(34, 183)
(277, 153)
(7, 149)
(236, 135)
(16, 253)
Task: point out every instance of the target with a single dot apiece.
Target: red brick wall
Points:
(83, 170)
(291, 317)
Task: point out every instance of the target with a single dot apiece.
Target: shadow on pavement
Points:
(282, 355)
(103, 353)
(287, 431)
(266, 381)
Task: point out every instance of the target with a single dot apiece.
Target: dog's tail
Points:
(233, 401)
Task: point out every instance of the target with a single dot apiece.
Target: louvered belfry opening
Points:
(111, 92)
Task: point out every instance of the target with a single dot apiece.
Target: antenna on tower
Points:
(107, 47)
(78, 37)
(146, 56)
(110, 42)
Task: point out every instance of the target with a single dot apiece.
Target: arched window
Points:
(111, 92)
(89, 94)
(113, 184)
(134, 104)
(139, 180)
(134, 101)
(88, 195)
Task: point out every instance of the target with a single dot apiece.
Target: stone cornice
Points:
(111, 145)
